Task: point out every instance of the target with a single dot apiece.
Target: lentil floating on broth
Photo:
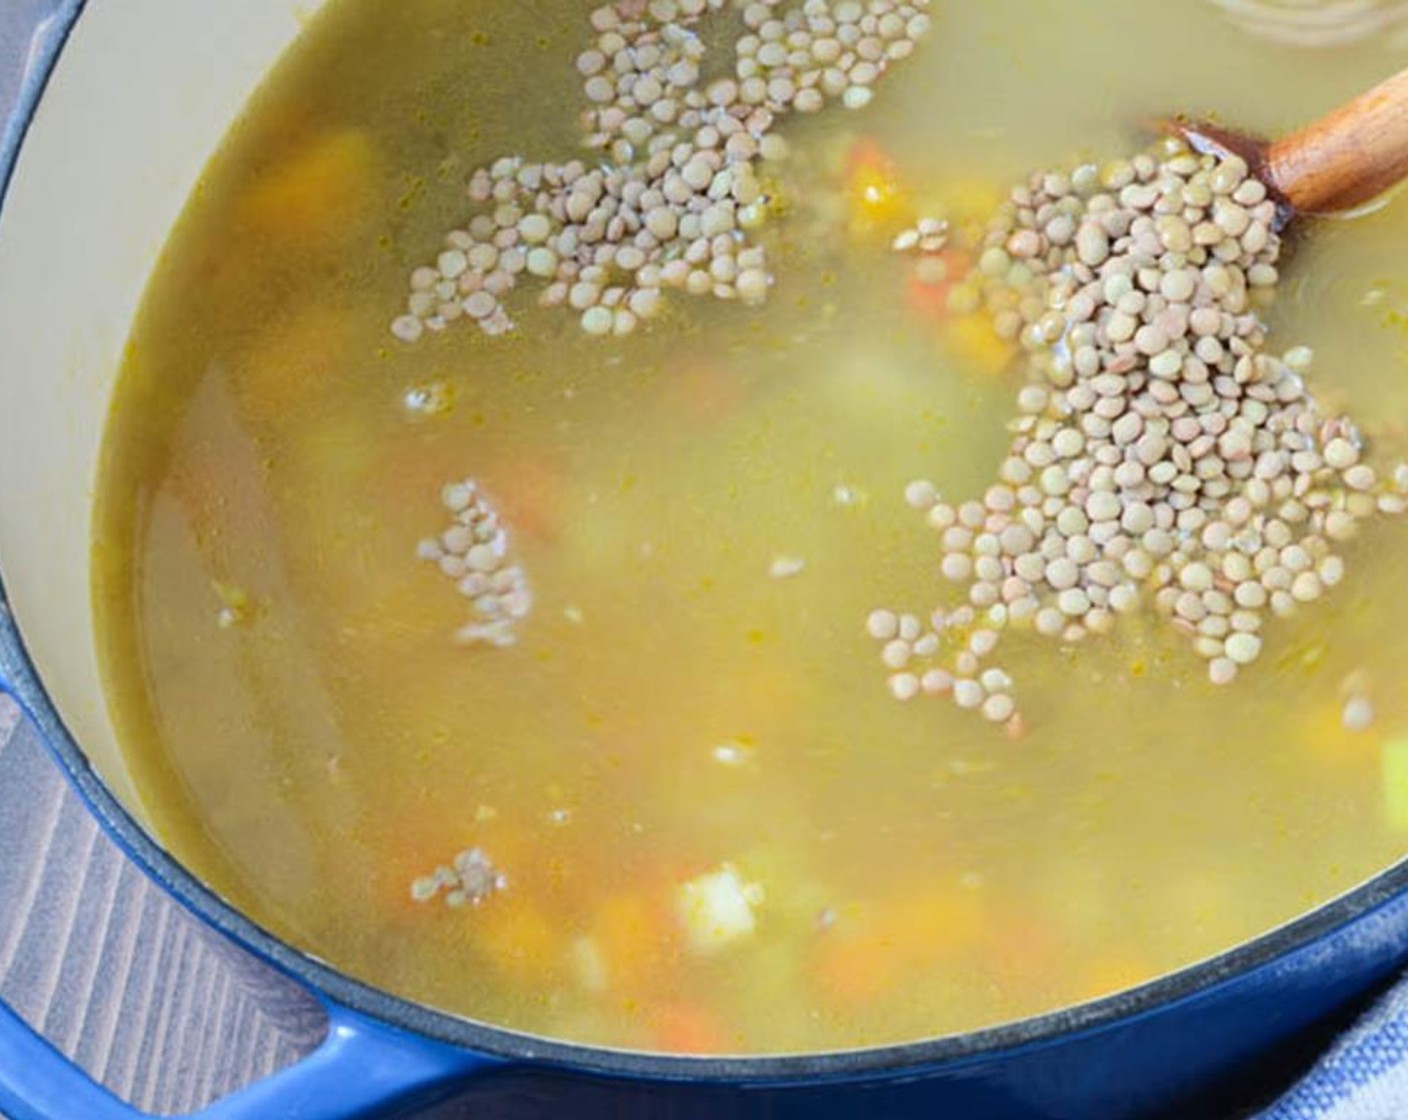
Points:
(473, 552)
(680, 187)
(1160, 451)
(470, 879)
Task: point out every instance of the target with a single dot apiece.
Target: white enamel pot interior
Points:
(141, 97)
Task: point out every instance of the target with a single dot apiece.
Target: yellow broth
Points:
(922, 872)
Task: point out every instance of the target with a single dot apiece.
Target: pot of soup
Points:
(711, 558)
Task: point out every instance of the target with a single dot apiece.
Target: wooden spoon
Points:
(1340, 162)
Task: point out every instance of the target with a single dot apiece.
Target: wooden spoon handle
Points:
(1347, 158)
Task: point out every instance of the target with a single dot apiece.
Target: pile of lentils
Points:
(469, 880)
(474, 553)
(675, 185)
(1160, 453)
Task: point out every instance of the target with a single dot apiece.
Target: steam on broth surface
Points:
(688, 813)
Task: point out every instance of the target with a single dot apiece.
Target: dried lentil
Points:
(473, 552)
(673, 160)
(470, 879)
(1176, 460)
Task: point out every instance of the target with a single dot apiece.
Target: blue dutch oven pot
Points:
(1167, 1048)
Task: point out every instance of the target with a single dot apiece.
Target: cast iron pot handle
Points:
(361, 1070)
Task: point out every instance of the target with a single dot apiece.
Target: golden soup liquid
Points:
(312, 740)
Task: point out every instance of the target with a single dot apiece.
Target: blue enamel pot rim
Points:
(1164, 994)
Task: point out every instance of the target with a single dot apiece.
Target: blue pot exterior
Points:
(1162, 1049)
(1186, 1058)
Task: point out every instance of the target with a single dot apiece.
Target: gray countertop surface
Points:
(155, 1006)
(17, 18)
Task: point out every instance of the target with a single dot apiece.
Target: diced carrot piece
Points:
(907, 932)
(528, 493)
(531, 494)
(680, 1028)
(316, 193)
(928, 301)
(866, 154)
(290, 368)
(876, 197)
(516, 933)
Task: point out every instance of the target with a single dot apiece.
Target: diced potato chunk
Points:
(717, 909)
